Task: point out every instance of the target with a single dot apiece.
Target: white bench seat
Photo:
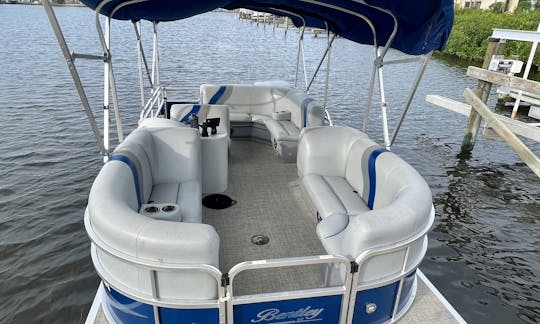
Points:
(334, 196)
(158, 163)
(182, 194)
(283, 130)
(364, 197)
(256, 111)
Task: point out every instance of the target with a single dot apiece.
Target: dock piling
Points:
(495, 47)
(504, 132)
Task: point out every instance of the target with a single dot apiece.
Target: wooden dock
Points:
(506, 128)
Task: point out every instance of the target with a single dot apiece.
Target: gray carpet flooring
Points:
(269, 202)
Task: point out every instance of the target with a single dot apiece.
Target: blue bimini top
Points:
(422, 25)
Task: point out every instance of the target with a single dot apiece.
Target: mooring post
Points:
(532, 161)
(495, 47)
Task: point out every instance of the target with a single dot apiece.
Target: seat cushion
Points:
(283, 130)
(164, 193)
(332, 195)
(261, 119)
(186, 195)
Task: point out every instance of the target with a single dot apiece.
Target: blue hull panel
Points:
(324, 310)
(126, 310)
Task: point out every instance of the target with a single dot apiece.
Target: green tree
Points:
(468, 39)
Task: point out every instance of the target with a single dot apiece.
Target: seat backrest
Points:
(181, 113)
(358, 166)
(402, 208)
(325, 150)
(265, 99)
(137, 151)
(178, 155)
(237, 96)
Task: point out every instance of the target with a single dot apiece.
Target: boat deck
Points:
(270, 202)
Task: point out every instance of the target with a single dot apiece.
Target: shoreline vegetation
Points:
(468, 39)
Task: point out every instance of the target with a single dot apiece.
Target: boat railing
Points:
(338, 300)
(260, 307)
(155, 103)
(327, 117)
(408, 269)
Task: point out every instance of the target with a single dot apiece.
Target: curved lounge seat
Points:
(267, 112)
(160, 165)
(365, 198)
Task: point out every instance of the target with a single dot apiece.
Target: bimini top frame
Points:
(425, 24)
(416, 28)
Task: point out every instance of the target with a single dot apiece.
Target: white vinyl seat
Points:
(364, 197)
(267, 112)
(153, 165)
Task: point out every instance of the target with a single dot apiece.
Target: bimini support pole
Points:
(108, 77)
(114, 94)
(75, 76)
(142, 61)
(155, 59)
(137, 26)
(325, 54)
(304, 59)
(384, 104)
(423, 64)
(371, 89)
(327, 78)
(301, 54)
(106, 85)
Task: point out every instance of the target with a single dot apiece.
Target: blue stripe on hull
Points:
(126, 310)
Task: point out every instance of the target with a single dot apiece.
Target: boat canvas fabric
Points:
(423, 25)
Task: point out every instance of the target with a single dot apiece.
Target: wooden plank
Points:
(511, 139)
(519, 35)
(525, 98)
(504, 80)
(526, 130)
(450, 104)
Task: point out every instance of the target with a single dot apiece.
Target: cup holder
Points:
(166, 211)
(153, 209)
(168, 208)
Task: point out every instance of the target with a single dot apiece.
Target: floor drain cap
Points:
(260, 239)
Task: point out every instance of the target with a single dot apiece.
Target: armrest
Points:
(332, 225)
